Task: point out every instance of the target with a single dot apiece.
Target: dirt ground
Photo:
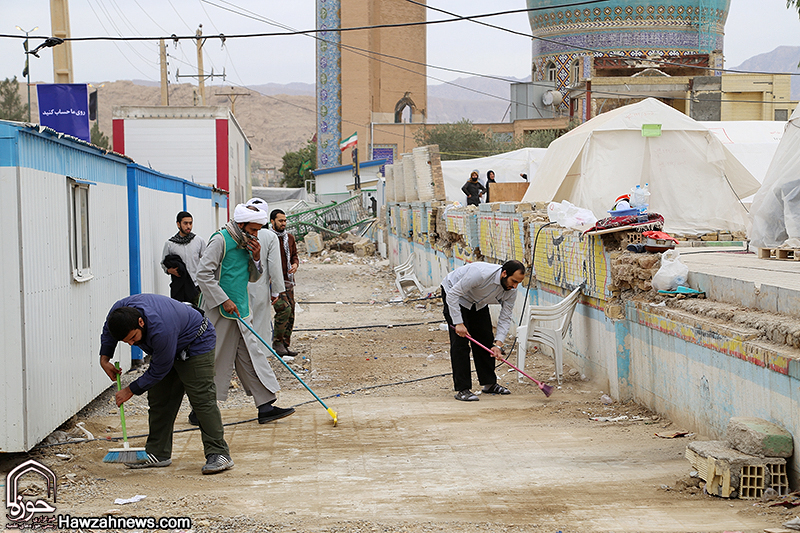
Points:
(405, 456)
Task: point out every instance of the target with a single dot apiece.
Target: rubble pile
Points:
(632, 271)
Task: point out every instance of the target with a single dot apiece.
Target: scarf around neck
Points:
(236, 234)
(284, 237)
(180, 239)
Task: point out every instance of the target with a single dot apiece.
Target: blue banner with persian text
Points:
(65, 108)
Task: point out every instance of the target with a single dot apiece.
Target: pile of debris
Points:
(750, 461)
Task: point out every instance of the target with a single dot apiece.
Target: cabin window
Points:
(79, 230)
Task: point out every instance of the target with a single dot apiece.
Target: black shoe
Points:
(273, 414)
(466, 395)
(289, 351)
(152, 462)
(495, 389)
(216, 462)
(279, 348)
(193, 419)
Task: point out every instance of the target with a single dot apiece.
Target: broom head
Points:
(126, 455)
(546, 389)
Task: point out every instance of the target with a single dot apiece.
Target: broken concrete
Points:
(755, 436)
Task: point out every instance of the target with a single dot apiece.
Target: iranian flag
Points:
(350, 141)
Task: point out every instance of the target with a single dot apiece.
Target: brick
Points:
(755, 436)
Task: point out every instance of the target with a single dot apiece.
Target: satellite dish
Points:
(550, 98)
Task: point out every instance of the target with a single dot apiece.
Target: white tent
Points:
(694, 180)
(776, 207)
(507, 168)
(752, 142)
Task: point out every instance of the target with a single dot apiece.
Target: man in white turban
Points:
(231, 260)
(266, 289)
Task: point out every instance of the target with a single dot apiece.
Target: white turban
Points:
(259, 203)
(244, 215)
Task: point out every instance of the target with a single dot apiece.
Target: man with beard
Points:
(232, 260)
(180, 259)
(467, 292)
(181, 342)
(284, 305)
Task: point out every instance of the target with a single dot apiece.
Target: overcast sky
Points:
(753, 27)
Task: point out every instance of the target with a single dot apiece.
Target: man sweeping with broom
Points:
(181, 342)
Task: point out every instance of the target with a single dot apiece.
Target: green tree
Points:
(11, 107)
(793, 3)
(459, 140)
(98, 137)
(297, 166)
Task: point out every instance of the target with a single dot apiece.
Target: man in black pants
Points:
(467, 292)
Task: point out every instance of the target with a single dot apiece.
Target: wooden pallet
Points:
(782, 254)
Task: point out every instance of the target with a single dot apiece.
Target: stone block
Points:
(313, 242)
(758, 437)
(365, 249)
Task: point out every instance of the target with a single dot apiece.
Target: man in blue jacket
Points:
(180, 341)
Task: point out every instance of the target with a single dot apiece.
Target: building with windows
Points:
(613, 53)
(83, 227)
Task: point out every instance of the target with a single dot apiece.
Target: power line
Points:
(456, 18)
(612, 54)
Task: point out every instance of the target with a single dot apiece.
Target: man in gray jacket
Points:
(467, 292)
(189, 248)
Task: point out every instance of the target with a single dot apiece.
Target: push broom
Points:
(545, 388)
(126, 454)
(331, 412)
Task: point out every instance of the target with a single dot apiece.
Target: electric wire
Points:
(457, 18)
(89, 3)
(585, 49)
(236, 423)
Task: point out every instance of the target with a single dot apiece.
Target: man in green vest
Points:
(231, 260)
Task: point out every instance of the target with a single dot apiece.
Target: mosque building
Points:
(606, 54)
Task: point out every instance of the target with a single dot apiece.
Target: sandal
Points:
(496, 389)
(466, 395)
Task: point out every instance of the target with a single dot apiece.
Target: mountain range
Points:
(281, 117)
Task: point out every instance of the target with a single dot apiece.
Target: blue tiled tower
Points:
(582, 41)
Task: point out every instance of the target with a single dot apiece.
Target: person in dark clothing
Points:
(181, 287)
(489, 182)
(473, 189)
(180, 341)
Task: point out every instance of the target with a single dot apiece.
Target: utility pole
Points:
(27, 71)
(62, 55)
(232, 99)
(200, 76)
(162, 48)
(200, 81)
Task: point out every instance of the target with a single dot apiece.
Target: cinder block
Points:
(755, 436)
(729, 473)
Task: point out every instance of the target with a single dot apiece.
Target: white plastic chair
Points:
(406, 279)
(547, 325)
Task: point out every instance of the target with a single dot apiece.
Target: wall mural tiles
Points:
(329, 84)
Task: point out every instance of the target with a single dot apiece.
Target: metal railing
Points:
(330, 220)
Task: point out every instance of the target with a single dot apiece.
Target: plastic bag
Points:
(570, 216)
(672, 272)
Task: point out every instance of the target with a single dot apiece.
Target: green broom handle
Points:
(282, 361)
(121, 407)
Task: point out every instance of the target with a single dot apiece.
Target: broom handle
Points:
(122, 410)
(503, 360)
(278, 357)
